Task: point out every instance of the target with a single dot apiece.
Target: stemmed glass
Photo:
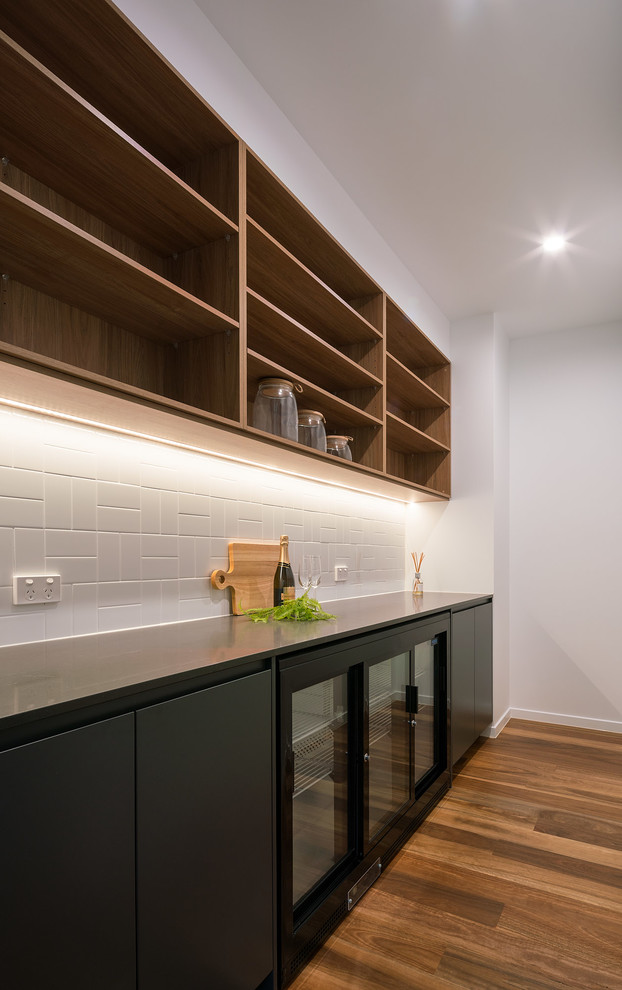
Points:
(304, 573)
(309, 571)
(316, 570)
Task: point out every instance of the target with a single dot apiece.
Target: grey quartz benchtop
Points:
(38, 678)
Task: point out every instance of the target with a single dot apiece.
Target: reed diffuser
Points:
(418, 583)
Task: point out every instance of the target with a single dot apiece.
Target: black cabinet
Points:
(204, 838)
(363, 757)
(471, 676)
(67, 917)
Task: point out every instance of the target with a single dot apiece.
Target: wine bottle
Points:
(284, 587)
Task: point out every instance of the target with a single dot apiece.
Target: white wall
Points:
(566, 526)
(501, 526)
(466, 540)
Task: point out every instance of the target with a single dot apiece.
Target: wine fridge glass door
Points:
(321, 833)
(426, 736)
(387, 744)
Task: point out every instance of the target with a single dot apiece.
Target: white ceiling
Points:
(465, 130)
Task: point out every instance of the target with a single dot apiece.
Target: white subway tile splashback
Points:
(7, 556)
(119, 496)
(135, 528)
(29, 550)
(114, 520)
(57, 502)
(130, 556)
(194, 525)
(83, 503)
(169, 513)
(21, 512)
(70, 543)
(120, 617)
(22, 484)
(109, 557)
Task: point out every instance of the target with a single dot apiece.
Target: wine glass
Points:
(315, 565)
(304, 573)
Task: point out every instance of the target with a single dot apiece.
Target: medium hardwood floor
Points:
(514, 882)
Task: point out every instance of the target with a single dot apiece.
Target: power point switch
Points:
(36, 590)
(341, 572)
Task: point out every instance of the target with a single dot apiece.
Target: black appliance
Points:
(363, 758)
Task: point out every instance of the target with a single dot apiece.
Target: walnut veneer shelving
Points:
(60, 259)
(128, 265)
(114, 263)
(41, 117)
(291, 286)
(417, 404)
(272, 331)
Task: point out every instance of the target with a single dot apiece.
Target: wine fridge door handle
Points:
(288, 761)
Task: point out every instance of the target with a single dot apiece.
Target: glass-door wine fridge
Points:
(363, 757)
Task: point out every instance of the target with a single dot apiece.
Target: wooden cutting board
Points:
(250, 575)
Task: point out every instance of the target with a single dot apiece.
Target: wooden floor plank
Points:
(580, 828)
(558, 796)
(514, 882)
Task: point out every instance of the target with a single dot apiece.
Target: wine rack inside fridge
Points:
(316, 717)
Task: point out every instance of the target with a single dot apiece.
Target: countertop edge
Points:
(240, 647)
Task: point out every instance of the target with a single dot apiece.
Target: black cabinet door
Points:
(67, 917)
(471, 676)
(204, 838)
(483, 668)
(462, 682)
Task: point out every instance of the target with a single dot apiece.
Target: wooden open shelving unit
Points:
(418, 379)
(128, 262)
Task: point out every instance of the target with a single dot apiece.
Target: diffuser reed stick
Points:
(418, 584)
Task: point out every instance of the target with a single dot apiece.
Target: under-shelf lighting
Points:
(193, 448)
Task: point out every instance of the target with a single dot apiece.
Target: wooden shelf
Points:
(271, 331)
(406, 342)
(63, 261)
(111, 386)
(405, 389)
(436, 494)
(106, 173)
(275, 274)
(275, 209)
(338, 414)
(128, 263)
(98, 52)
(407, 439)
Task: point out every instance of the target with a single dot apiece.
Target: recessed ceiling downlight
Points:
(554, 243)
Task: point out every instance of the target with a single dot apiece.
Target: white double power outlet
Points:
(36, 590)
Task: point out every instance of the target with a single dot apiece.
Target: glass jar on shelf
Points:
(275, 410)
(339, 446)
(311, 430)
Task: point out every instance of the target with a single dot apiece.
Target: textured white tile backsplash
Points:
(135, 528)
